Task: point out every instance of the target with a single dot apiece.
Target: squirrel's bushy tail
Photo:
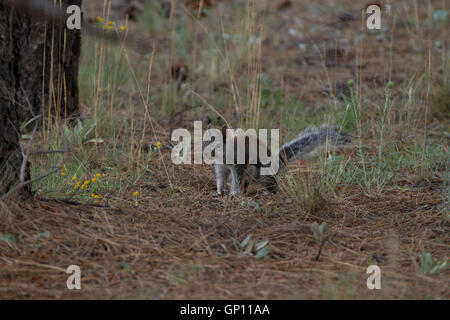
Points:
(312, 141)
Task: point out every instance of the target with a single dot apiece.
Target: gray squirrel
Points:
(311, 142)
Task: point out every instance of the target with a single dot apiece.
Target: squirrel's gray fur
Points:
(311, 141)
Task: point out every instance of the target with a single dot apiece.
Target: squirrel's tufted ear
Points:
(224, 134)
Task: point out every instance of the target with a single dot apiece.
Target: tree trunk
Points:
(38, 74)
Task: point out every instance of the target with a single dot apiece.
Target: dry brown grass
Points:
(179, 244)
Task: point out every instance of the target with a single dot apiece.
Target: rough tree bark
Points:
(38, 70)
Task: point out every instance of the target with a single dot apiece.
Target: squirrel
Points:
(307, 144)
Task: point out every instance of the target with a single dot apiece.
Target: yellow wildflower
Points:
(85, 185)
(77, 185)
(74, 178)
(94, 180)
(63, 170)
(110, 23)
(99, 19)
(98, 175)
(123, 28)
(135, 194)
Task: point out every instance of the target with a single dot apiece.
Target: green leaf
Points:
(45, 234)
(440, 15)
(245, 241)
(323, 228)
(8, 238)
(99, 140)
(262, 253)
(315, 227)
(67, 132)
(426, 261)
(438, 266)
(249, 248)
(86, 135)
(79, 127)
(315, 230)
(261, 244)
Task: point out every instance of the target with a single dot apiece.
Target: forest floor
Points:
(142, 227)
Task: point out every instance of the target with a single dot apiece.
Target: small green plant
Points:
(8, 238)
(39, 237)
(319, 230)
(380, 180)
(375, 171)
(355, 106)
(428, 265)
(136, 198)
(257, 250)
(346, 118)
(337, 175)
(81, 133)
